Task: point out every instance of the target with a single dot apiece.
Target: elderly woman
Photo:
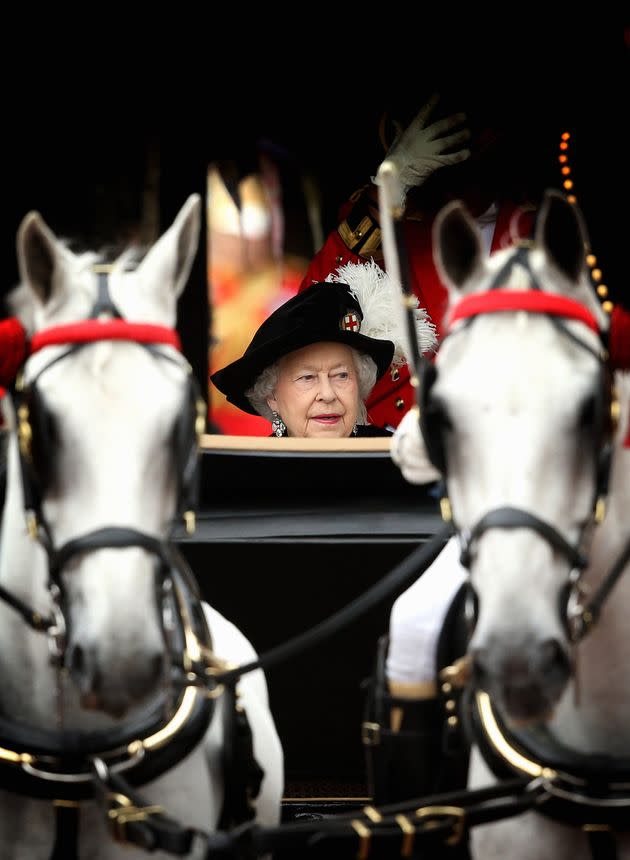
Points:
(311, 365)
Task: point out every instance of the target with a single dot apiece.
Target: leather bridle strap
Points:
(142, 825)
(591, 612)
(111, 537)
(66, 832)
(515, 518)
(31, 616)
(496, 300)
(93, 331)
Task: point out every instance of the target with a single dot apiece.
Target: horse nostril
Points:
(553, 659)
(83, 665)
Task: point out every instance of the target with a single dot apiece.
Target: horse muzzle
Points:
(525, 679)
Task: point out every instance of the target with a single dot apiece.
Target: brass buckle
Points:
(370, 734)
(458, 673)
(123, 813)
(25, 432)
(436, 813)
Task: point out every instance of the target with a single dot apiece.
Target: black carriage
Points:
(286, 535)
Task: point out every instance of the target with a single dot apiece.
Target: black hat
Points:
(322, 312)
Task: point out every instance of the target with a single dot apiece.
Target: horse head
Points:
(112, 430)
(515, 416)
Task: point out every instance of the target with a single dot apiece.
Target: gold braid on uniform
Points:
(360, 233)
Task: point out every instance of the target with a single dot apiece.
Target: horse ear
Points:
(170, 259)
(561, 231)
(456, 244)
(38, 256)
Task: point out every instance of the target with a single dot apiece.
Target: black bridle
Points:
(577, 618)
(609, 802)
(34, 432)
(60, 764)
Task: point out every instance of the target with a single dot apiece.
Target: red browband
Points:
(88, 331)
(532, 301)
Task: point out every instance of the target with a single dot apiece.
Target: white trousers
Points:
(417, 617)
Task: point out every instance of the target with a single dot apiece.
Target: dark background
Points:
(84, 124)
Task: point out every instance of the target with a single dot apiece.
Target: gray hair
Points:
(266, 383)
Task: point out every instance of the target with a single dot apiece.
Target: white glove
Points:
(419, 150)
(407, 450)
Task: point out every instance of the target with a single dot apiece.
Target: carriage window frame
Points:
(218, 441)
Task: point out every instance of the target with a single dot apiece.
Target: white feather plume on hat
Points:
(380, 300)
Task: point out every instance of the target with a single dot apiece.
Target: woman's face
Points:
(317, 395)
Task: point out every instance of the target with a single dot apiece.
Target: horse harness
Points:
(588, 791)
(439, 820)
(66, 767)
(577, 618)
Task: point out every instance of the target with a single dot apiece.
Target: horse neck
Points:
(601, 719)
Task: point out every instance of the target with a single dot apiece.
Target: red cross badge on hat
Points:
(350, 322)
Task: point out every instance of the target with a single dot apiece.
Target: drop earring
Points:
(277, 425)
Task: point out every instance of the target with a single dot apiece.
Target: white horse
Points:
(513, 410)
(106, 415)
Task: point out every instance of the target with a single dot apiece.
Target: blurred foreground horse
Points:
(520, 415)
(107, 654)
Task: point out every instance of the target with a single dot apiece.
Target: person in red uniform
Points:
(456, 156)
